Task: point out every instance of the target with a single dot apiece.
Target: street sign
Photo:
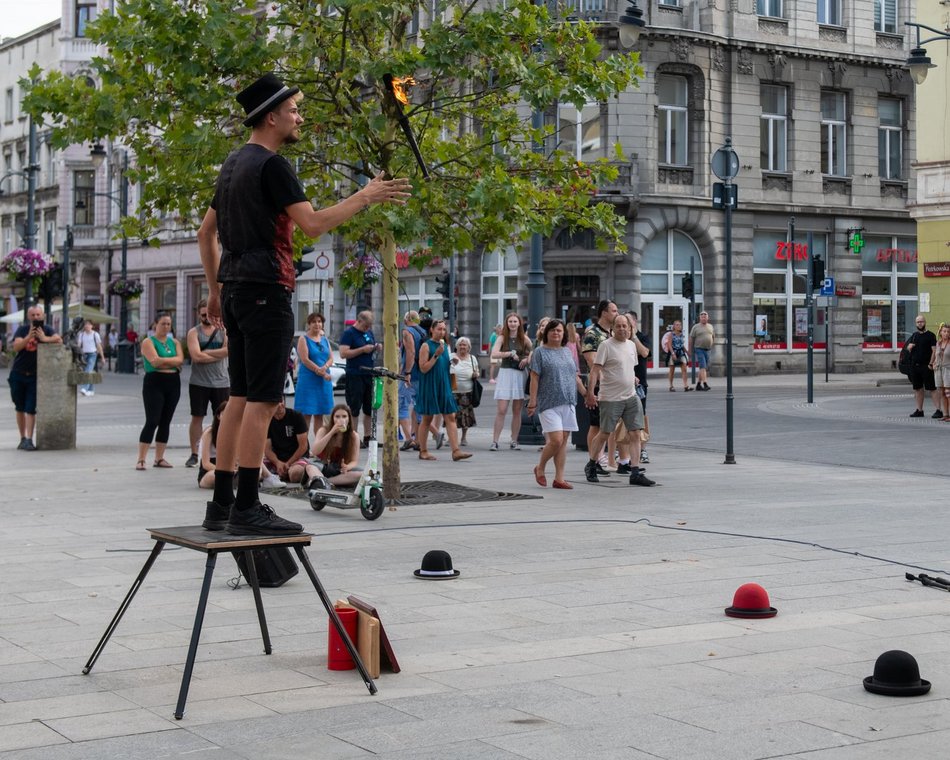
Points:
(725, 163)
(725, 194)
(823, 302)
(827, 287)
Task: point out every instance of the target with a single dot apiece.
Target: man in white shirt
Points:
(615, 370)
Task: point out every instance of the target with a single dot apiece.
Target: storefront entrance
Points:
(577, 297)
(656, 318)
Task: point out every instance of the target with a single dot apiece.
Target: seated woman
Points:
(336, 447)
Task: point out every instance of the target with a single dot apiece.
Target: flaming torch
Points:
(397, 88)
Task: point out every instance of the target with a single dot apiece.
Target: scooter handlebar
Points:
(382, 372)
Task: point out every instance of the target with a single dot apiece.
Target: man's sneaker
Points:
(319, 483)
(938, 415)
(22, 446)
(494, 446)
(918, 413)
(192, 461)
(600, 469)
(590, 471)
(624, 469)
(705, 386)
(638, 478)
(272, 481)
(514, 446)
(216, 516)
(260, 520)
(28, 445)
(644, 458)
(90, 393)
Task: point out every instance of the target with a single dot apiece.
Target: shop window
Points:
(673, 111)
(780, 318)
(774, 128)
(888, 291)
(165, 300)
(885, 16)
(889, 138)
(834, 133)
(499, 289)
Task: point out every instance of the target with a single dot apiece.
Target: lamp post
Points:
(126, 360)
(919, 63)
(630, 24)
(29, 228)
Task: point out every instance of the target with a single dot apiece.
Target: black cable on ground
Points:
(650, 523)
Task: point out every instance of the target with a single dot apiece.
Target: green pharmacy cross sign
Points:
(855, 241)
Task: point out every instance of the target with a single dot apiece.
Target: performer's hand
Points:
(214, 310)
(381, 190)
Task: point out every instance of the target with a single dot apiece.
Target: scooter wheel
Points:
(316, 504)
(374, 509)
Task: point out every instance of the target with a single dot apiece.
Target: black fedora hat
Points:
(896, 675)
(436, 566)
(263, 96)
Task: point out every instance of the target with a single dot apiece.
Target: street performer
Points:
(257, 202)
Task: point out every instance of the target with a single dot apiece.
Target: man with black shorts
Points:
(209, 382)
(357, 346)
(22, 378)
(288, 446)
(596, 334)
(921, 344)
(257, 202)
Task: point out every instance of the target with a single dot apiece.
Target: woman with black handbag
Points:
(465, 373)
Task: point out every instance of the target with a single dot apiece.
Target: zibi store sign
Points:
(787, 251)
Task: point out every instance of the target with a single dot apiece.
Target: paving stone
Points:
(106, 724)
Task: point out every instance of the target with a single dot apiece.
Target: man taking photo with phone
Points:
(22, 377)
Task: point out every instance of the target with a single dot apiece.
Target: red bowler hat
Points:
(751, 601)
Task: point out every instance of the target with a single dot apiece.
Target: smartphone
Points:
(38, 323)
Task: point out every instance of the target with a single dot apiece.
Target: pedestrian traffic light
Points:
(301, 266)
(688, 290)
(817, 272)
(442, 284)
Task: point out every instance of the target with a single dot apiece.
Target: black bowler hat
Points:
(436, 566)
(896, 675)
(263, 96)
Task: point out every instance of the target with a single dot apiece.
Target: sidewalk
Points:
(576, 628)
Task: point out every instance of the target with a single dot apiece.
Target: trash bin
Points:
(126, 360)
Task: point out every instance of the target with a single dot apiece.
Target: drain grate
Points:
(427, 492)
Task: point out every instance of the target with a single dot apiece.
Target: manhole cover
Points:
(426, 492)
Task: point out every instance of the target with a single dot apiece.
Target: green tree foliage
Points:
(166, 90)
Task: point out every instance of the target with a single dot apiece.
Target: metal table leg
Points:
(140, 578)
(335, 619)
(256, 588)
(195, 635)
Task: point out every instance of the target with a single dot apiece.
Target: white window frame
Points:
(834, 135)
(596, 150)
(888, 133)
(885, 16)
(776, 123)
(505, 300)
(669, 112)
(829, 12)
(770, 8)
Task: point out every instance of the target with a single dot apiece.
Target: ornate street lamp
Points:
(919, 63)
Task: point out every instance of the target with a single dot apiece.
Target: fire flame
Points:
(400, 88)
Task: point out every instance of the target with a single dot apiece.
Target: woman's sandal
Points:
(423, 454)
(140, 465)
(459, 455)
(163, 463)
(563, 484)
(539, 477)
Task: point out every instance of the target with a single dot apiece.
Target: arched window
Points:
(665, 260)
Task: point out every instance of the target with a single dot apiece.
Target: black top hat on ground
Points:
(263, 96)
(896, 675)
(751, 601)
(436, 566)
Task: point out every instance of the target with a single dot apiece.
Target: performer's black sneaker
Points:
(639, 478)
(590, 471)
(624, 469)
(260, 520)
(216, 516)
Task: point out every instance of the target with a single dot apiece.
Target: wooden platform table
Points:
(213, 543)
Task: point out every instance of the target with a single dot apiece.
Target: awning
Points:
(75, 310)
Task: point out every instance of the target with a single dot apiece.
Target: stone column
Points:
(55, 398)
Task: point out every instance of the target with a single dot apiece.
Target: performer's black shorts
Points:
(260, 324)
(199, 397)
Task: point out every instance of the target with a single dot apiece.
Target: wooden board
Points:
(367, 638)
(386, 654)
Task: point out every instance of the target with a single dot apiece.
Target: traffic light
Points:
(688, 290)
(301, 266)
(442, 287)
(817, 272)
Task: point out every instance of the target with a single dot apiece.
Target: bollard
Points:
(56, 382)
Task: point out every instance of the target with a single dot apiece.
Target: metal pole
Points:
(809, 300)
(535, 282)
(126, 362)
(29, 231)
(692, 308)
(451, 313)
(730, 399)
(827, 344)
(67, 249)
